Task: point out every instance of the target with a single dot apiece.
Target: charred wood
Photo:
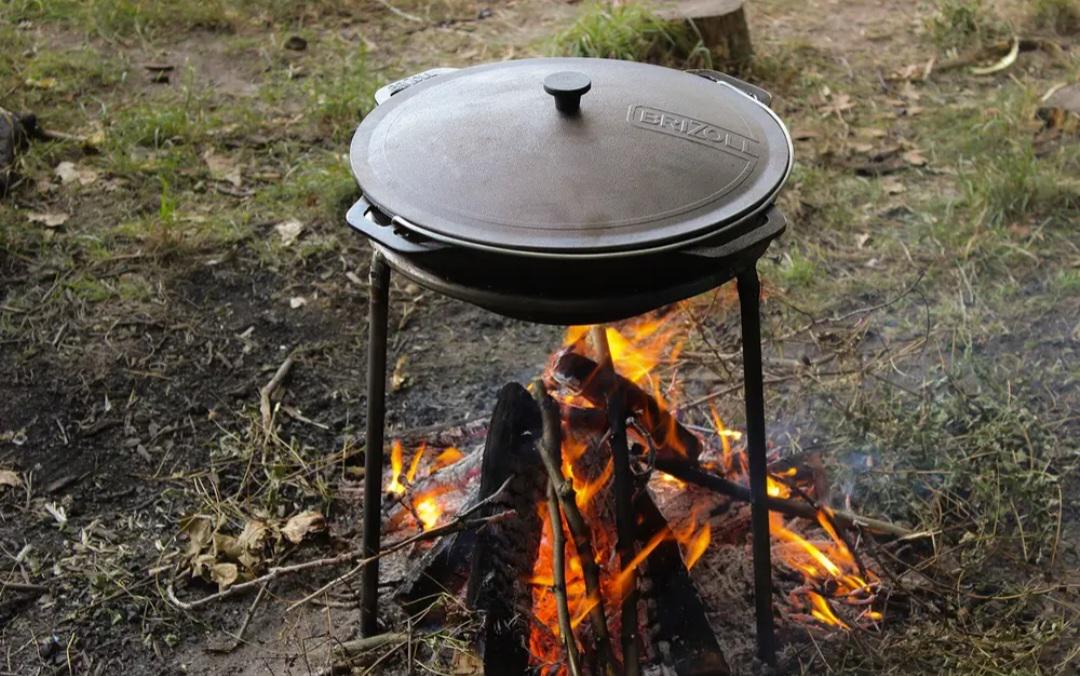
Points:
(505, 552)
(582, 375)
(679, 631)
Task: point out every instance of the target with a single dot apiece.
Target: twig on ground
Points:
(360, 645)
(402, 13)
(23, 586)
(238, 637)
(461, 522)
(268, 390)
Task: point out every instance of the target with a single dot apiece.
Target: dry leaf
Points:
(70, 173)
(224, 574)
(892, 185)
(9, 478)
(399, 377)
(226, 546)
(200, 532)
(862, 239)
(863, 148)
(301, 525)
(297, 302)
(222, 168)
(50, 219)
(253, 537)
(289, 231)
(837, 104)
(914, 158)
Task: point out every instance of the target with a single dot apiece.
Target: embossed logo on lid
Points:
(740, 145)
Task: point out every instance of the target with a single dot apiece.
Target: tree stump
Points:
(722, 26)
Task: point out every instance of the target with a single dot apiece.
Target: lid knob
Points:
(567, 87)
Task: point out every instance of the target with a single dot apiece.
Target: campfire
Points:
(584, 566)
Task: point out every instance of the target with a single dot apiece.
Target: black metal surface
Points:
(571, 291)
(654, 158)
(379, 290)
(754, 387)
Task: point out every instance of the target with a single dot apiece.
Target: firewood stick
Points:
(550, 452)
(842, 517)
(558, 565)
(623, 483)
(580, 374)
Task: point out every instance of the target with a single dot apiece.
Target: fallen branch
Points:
(362, 645)
(238, 637)
(460, 523)
(550, 449)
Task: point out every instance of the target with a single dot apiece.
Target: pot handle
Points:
(383, 94)
(757, 93)
(773, 223)
(387, 231)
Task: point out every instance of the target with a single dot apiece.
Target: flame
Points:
(415, 464)
(448, 457)
(837, 592)
(588, 490)
(726, 436)
(622, 580)
(823, 613)
(427, 507)
(396, 453)
(636, 349)
(692, 541)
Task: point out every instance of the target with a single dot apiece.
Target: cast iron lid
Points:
(570, 156)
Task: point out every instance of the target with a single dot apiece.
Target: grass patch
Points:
(961, 24)
(632, 32)
(153, 19)
(975, 460)
(1062, 16)
(1003, 183)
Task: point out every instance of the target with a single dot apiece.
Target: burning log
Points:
(624, 489)
(679, 627)
(583, 376)
(504, 553)
(579, 529)
(848, 519)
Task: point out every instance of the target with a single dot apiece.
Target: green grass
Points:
(632, 32)
(960, 24)
(974, 460)
(1062, 16)
(155, 19)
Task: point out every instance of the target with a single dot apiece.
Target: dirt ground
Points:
(921, 318)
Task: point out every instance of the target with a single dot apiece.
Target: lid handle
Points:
(567, 87)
